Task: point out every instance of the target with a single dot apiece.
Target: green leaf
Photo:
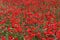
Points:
(20, 37)
(35, 38)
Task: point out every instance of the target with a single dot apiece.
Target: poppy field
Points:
(29, 19)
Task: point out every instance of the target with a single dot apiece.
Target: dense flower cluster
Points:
(30, 19)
